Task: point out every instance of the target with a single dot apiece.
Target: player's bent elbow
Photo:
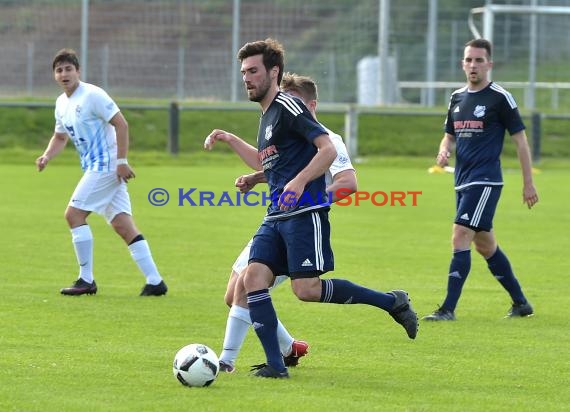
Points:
(350, 188)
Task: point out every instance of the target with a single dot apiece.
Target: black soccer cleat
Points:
(521, 310)
(266, 371)
(80, 287)
(440, 314)
(154, 290)
(404, 314)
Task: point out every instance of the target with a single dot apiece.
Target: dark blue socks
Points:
(500, 267)
(458, 270)
(345, 292)
(264, 321)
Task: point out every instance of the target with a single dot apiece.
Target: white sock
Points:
(237, 325)
(82, 239)
(284, 338)
(140, 253)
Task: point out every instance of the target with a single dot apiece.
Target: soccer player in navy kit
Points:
(477, 118)
(86, 115)
(341, 182)
(294, 152)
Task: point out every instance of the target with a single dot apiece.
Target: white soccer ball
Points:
(196, 365)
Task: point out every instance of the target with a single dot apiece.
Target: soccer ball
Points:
(196, 365)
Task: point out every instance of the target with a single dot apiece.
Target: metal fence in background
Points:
(185, 49)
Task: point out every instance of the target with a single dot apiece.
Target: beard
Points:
(259, 93)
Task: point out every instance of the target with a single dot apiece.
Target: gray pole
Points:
(431, 51)
(488, 23)
(454, 60)
(30, 72)
(351, 131)
(536, 128)
(180, 80)
(84, 38)
(530, 103)
(105, 66)
(383, 32)
(332, 76)
(173, 128)
(235, 45)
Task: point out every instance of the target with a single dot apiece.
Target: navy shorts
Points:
(476, 206)
(298, 246)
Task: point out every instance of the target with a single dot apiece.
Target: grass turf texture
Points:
(113, 351)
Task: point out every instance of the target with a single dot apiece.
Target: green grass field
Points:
(113, 351)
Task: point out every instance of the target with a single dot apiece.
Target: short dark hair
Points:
(65, 56)
(272, 51)
(480, 44)
(303, 85)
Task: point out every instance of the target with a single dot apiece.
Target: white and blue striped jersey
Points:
(285, 147)
(84, 117)
(478, 120)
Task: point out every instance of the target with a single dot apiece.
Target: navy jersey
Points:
(285, 147)
(478, 121)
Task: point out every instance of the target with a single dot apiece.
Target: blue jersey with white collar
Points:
(285, 147)
(478, 120)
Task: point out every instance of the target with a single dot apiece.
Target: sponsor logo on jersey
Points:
(468, 125)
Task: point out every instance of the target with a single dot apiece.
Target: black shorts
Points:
(298, 246)
(476, 206)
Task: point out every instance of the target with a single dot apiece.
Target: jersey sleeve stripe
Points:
(290, 104)
(508, 96)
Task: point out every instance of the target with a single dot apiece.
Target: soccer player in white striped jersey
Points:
(86, 115)
(341, 182)
(477, 118)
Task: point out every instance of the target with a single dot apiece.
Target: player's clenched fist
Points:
(217, 135)
(41, 162)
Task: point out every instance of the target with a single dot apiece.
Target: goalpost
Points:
(490, 10)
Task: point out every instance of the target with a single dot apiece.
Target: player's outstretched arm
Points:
(247, 152)
(55, 145)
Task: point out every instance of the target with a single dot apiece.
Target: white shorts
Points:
(102, 193)
(241, 263)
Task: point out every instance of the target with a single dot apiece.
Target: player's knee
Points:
(228, 298)
(462, 237)
(485, 250)
(124, 227)
(68, 217)
(74, 217)
(305, 291)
